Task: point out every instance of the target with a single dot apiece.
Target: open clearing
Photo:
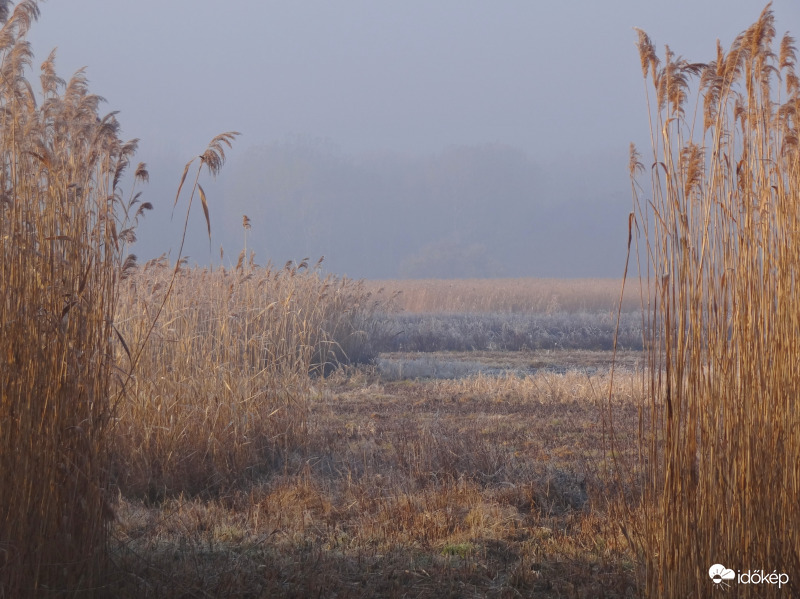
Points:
(480, 486)
(460, 364)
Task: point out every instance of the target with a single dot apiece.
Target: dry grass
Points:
(522, 295)
(168, 432)
(510, 332)
(222, 386)
(481, 487)
(66, 224)
(64, 227)
(241, 474)
(721, 236)
(239, 469)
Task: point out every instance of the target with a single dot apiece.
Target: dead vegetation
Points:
(721, 228)
(222, 384)
(167, 432)
(64, 226)
(509, 296)
(480, 487)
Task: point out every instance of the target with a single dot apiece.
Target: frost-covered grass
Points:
(510, 331)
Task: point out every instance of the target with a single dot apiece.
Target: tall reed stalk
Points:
(64, 228)
(223, 386)
(721, 282)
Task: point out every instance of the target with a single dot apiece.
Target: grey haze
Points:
(398, 138)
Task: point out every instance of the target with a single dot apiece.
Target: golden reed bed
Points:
(507, 295)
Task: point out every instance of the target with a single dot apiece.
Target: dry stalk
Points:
(721, 233)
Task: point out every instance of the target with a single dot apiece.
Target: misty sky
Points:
(402, 138)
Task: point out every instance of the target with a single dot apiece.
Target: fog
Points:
(453, 138)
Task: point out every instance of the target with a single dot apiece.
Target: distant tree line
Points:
(469, 211)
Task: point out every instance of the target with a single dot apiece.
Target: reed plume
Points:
(64, 234)
(721, 233)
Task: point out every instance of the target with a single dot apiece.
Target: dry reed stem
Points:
(721, 234)
(222, 385)
(522, 295)
(64, 229)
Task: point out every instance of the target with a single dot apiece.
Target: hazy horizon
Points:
(397, 139)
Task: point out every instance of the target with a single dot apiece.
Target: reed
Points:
(65, 225)
(721, 236)
(223, 384)
(520, 295)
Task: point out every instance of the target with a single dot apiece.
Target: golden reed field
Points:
(519, 295)
(235, 432)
